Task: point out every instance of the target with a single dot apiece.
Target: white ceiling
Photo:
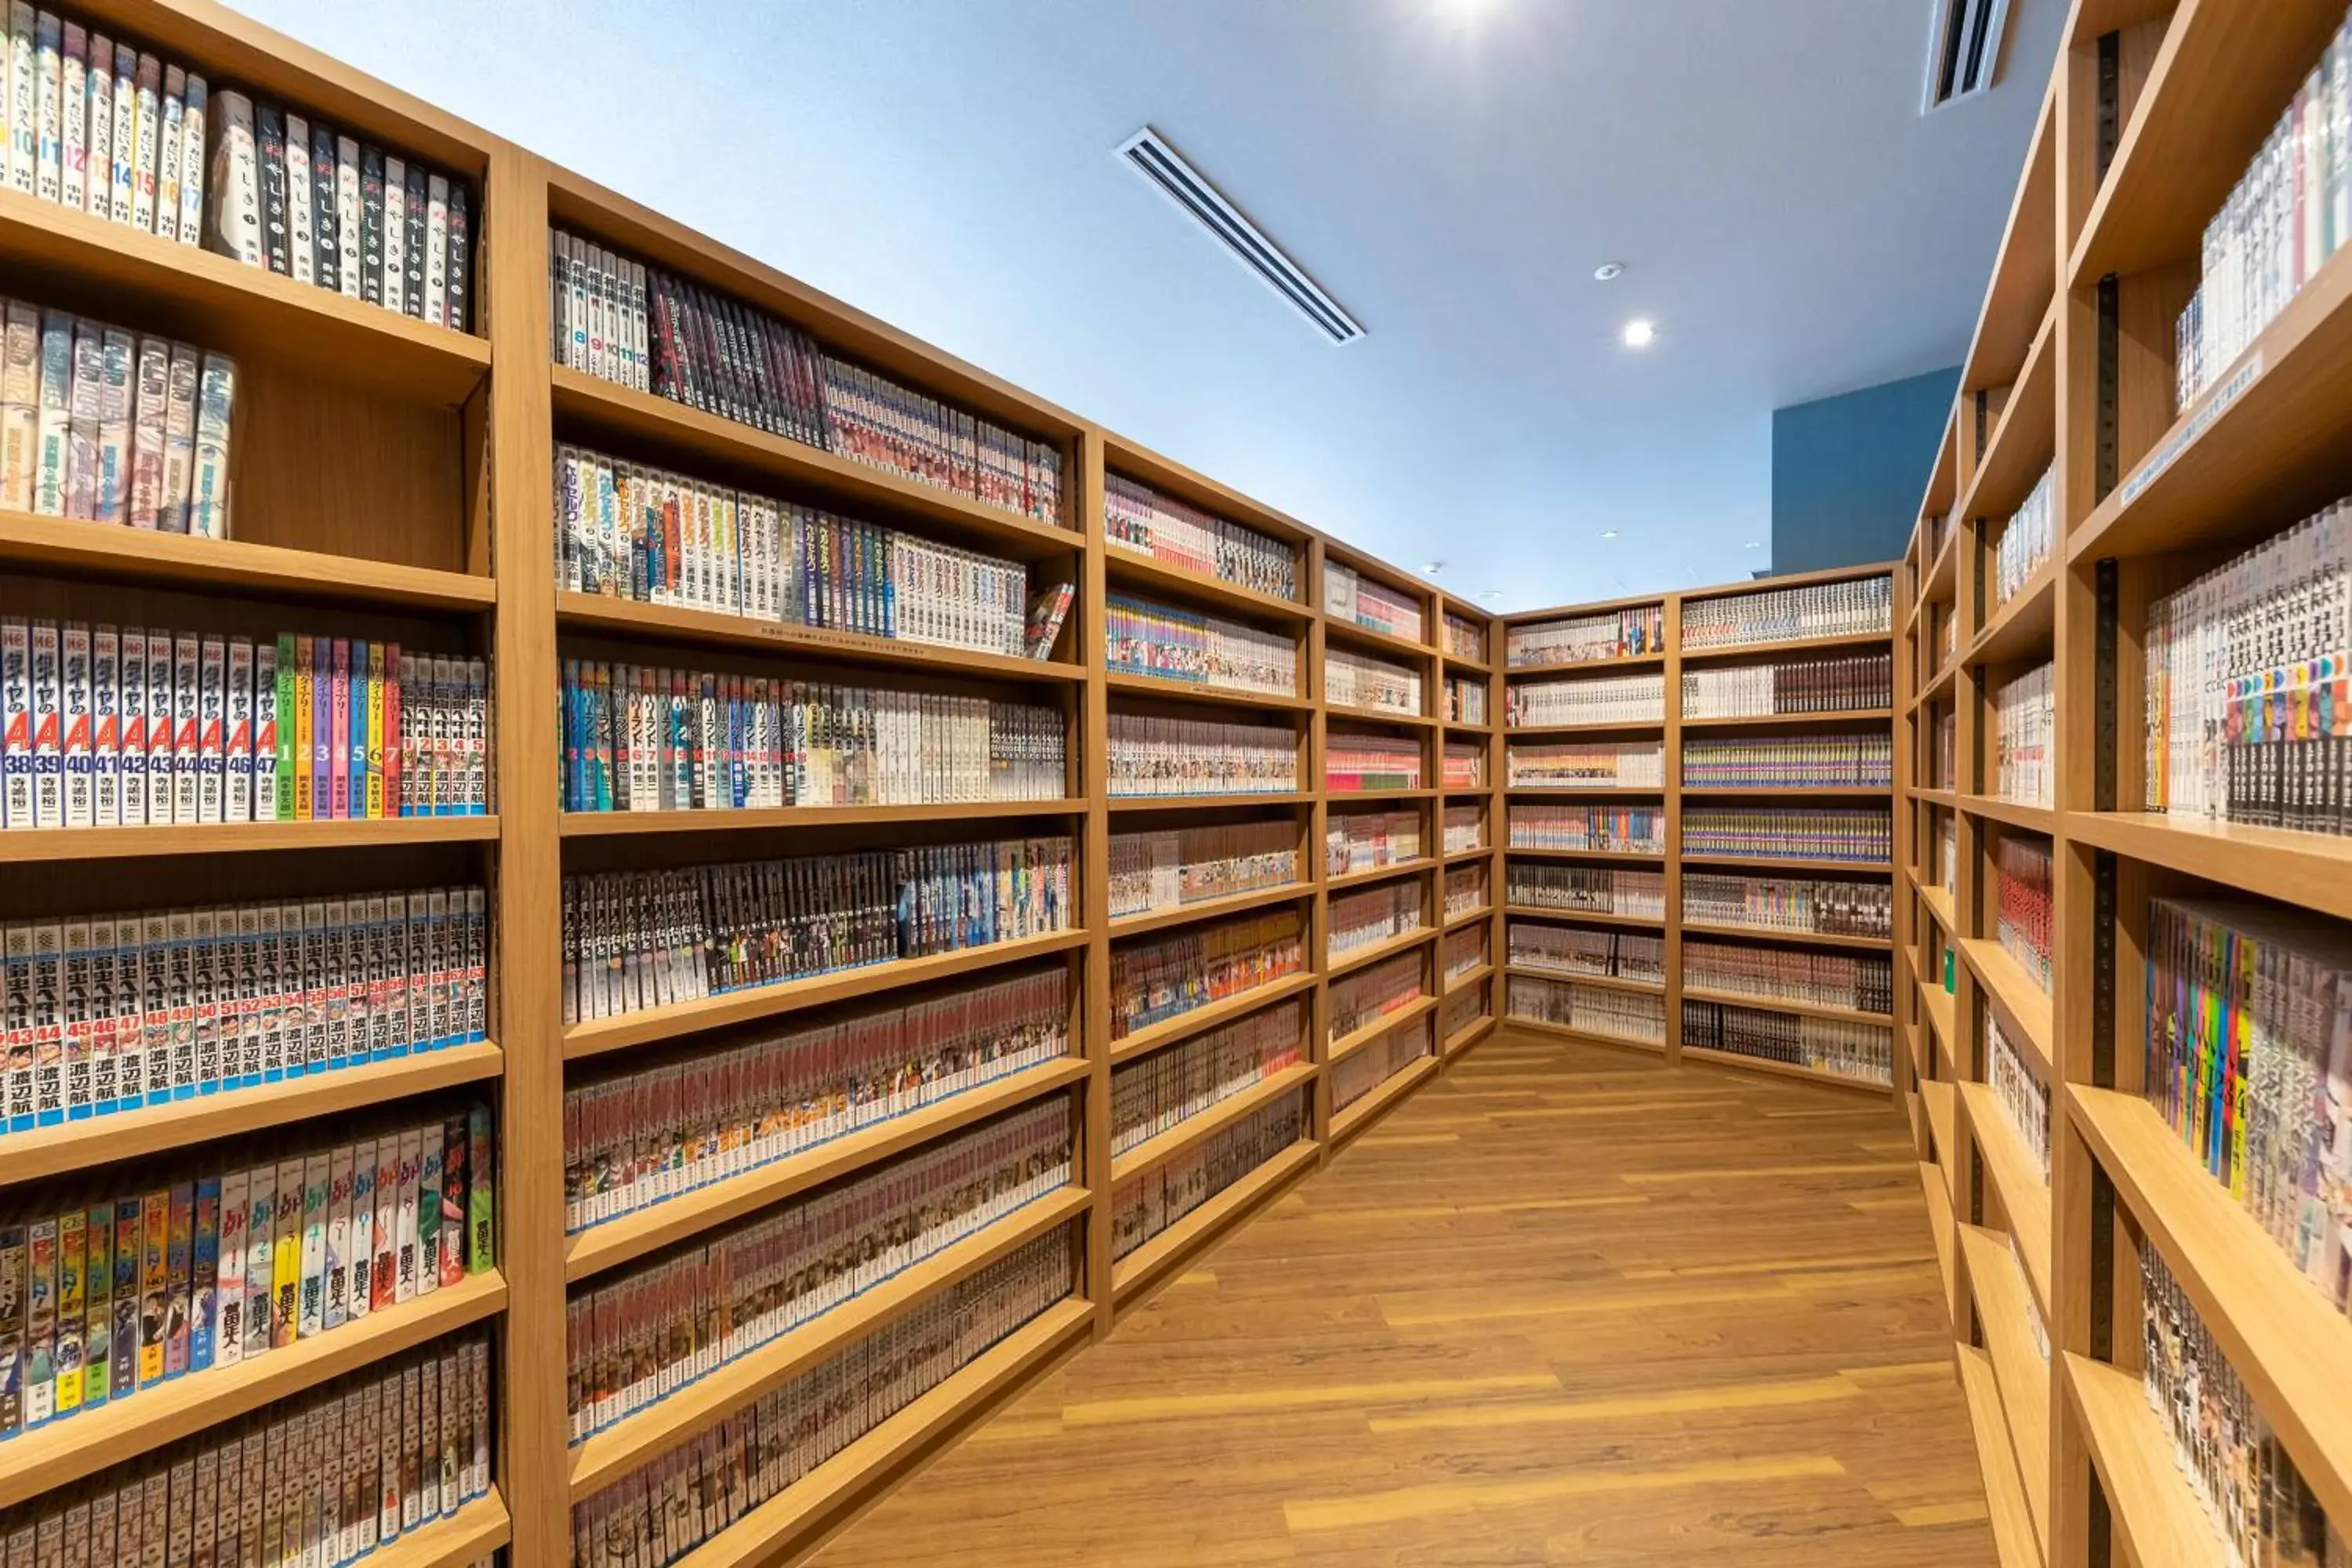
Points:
(1452, 171)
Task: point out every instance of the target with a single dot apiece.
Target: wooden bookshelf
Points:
(2155, 110)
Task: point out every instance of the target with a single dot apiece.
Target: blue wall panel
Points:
(1848, 472)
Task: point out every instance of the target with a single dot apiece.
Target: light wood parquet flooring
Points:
(1563, 1306)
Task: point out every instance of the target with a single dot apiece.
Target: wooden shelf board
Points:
(1181, 1240)
(1938, 686)
(1379, 873)
(2024, 1005)
(1467, 917)
(2025, 441)
(2217, 84)
(1380, 716)
(1390, 1094)
(2015, 813)
(1789, 644)
(632, 1235)
(1935, 1189)
(50, 845)
(2021, 630)
(1703, 858)
(1207, 908)
(1122, 685)
(1126, 567)
(1337, 797)
(1939, 905)
(582, 401)
(1468, 978)
(1468, 1035)
(1164, 1146)
(768, 1532)
(2270, 429)
(1939, 1007)
(1711, 1057)
(1605, 726)
(1606, 982)
(471, 1534)
(2313, 869)
(1337, 965)
(136, 554)
(1379, 641)
(1948, 799)
(1841, 716)
(1456, 727)
(1650, 857)
(1940, 1098)
(2162, 1523)
(1535, 911)
(1940, 583)
(64, 1451)
(209, 1119)
(2019, 1374)
(1581, 667)
(1455, 856)
(1204, 801)
(2025, 269)
(1766, 934)
(1540, 1027)
(630, 824)
(2017, 1179)
(715, 628)
(247, 311)
(1791, 791)
(2287, 1343)
(1579, 792)
(685, 1413)
(770, 1000)
(1776, 1005)
(2014, 1538)
(1151, 1036)
(1348, 1044)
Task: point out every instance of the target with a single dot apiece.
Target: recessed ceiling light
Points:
(1432, 568)
(1491, 594)
(1607, 271)
(1754, 545)
(1608, 533)
(1640, 332)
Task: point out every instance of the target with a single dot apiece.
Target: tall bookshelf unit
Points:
(392, 480)
(2153, 113)
(1538, 717)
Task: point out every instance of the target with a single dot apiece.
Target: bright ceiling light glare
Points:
(1608, 533)
(1753, 544)
(1432, 568)
(1609, 272)
(1640, 332)
(1492, 595)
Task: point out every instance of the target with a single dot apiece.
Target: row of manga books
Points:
(1353, 599)
(91, 123)
(1170, 868)
(1147, 755)
(625, 531)
(622, 321)
(1788, 762)
(1355, 841)
(1465, 889)
(2023, 913)
(659, 1513)
(1600, 829)
(1834, 1045)
(1464, 765)
(1463, 951)
(2233, 1461)
(2024, 1098)
(1588, 764)
(106, 1013)
(1188, 647)
(1466, 700)
(1152, 523)
(1465, 829)
(327, 1477)
(1577, 949)
(2026, 539)
(1790, 833)
(1370, 916)
(644, 1135)
(1636, 633)
(1795, 905)
(1464, 639)
(636, 940)
(1856, 607)
(1148, 1203)
(1587, 890)
(1173, 1085)
(1840, 685)
(104, 727)
(1362, 1070)
(1360, 764)
(217, 1260)
(2289, 212)
(1608, 1014)
(643, 1338)
(1358, 998)
(1360, 680)
(2026, 730)
(1461, 1009)
(1947, 751)
(1861, 981)
(2248, 1057)
(1636, 699)
(1161, 977)
(2249, 683)
(102, 423)
(639, 738)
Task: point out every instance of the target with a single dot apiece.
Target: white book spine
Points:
(234, 227)
(300, 248)
(106, 727)
(186, 720)
(23, 97)
(48, 785)
(73, 125)
(170, 148)
(266, 721)
(49, 115)
(190, 230)
(16, 807)
(347, 216)
(181, 378)
(145, 168)
(397, 258)
(212, 737)
(119, 180)
(74, 724)
(208, 505)
(237, 803)
(437, 251)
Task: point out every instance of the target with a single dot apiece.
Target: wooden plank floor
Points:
(1561, 1306)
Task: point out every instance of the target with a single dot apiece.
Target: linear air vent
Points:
(1186, 186)
(1963, 49)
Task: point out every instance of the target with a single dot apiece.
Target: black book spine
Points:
(372, 224)
(328, 270)
(414, 216)
(270, 131)
(461, 259)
